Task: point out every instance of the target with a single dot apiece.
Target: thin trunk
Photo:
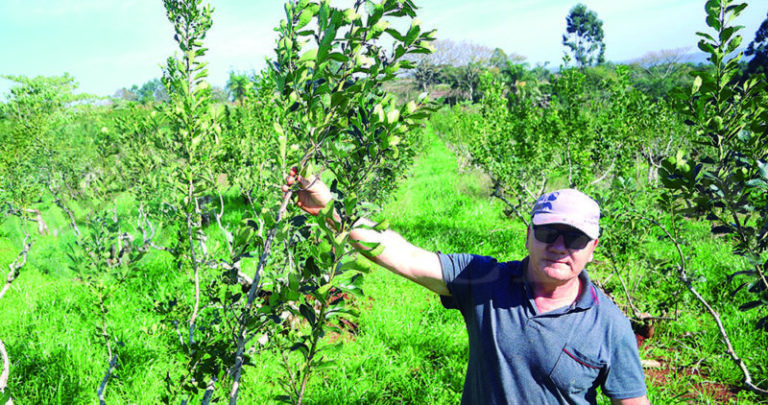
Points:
(105, 380)
(255, 286)
(715, 315)
(6, 371)
(18, 263)
(60, 203)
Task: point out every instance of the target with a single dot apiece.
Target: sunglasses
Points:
(573, 239)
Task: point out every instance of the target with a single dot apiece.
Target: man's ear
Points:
(527, 235)
(591, 255)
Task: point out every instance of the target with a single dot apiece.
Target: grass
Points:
(407, 348)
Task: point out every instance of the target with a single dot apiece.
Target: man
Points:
(539, 331)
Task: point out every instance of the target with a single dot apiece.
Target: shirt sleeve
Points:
(625, 377)
(469, 278)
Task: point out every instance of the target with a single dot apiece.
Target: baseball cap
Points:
(569, 207)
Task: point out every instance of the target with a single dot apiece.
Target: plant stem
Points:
(255, 286)
(105, 380)
(18, 263)
(6, 370)
(716, 316)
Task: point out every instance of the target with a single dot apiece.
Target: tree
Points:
(725, 177)
(448, 52)
(152, 90)
(499, 59)
(426, 75)
(239, 86)
(758, 49)
(584, 36)
(658, 73)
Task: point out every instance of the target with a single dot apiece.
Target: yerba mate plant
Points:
(724, 178)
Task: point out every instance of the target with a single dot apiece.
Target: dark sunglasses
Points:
(573, 239)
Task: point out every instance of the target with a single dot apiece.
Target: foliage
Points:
(153, 90)
(758, 50)
(659, 73)
(725, 176)
(239, 86)
(34, 155)
(584, 36)
(343, 122)
(426, 75)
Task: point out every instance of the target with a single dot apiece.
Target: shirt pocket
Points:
(575, 372)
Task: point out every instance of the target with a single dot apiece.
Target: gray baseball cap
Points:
(569, 207)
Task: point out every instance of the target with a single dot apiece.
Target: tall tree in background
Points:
(584, 36)
(448, 52)
(426, 75)
(152, 90)
(758, 49)
(239, 86)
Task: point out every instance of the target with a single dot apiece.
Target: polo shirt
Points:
(519, 356)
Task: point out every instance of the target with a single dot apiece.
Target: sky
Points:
(109, 44)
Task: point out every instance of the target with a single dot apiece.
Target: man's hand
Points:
(313, 194)
(399, 256)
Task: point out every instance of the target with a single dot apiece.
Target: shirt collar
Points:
(587, 297)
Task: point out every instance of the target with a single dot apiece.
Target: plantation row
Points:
(192, 187)
(188, 263)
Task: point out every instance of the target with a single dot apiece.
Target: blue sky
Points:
(109, 44)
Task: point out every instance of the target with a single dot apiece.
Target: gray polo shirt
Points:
(518, 356)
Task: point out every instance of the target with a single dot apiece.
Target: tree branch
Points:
(105, 380)
(6, 371)
(497, 194)
(715, 315)
(18, 263)
(57, 200)
(255, 286)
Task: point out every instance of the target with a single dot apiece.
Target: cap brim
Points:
(546, 219)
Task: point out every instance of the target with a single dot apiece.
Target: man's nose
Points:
(559, 244)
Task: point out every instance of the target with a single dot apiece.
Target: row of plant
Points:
(653, 165)
(195, 185)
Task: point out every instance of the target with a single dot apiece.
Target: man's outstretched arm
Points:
(399, 256)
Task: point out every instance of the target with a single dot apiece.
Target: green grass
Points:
(408, 349)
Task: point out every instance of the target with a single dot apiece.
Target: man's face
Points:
(554, 262)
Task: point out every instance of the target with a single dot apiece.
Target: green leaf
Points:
(712, 7)
(763, 169)
(696, 85)
(721, 229)
(308, 314)
(308, 55)
(713, 22)
(726, 34)
(338, 99)
(706, 47)
(304, 349)
(413, 32)
(707, 36)
(750, 305)
(733, 44)
(338, 57)
(735, 10)
(382, 226)
(360, 263)
(304, 18)
(395, 34)
(377, 250)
